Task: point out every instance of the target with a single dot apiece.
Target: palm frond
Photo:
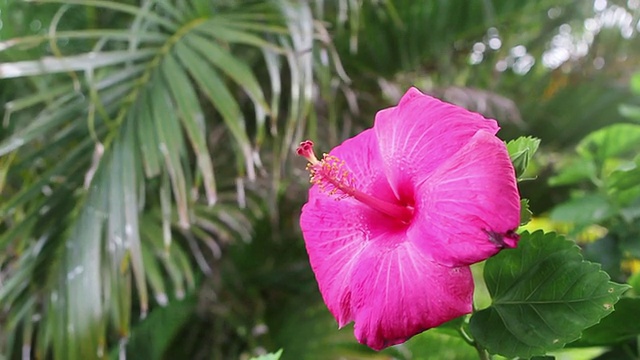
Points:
(103, 202)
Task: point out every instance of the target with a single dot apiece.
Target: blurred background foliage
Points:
(150, 199)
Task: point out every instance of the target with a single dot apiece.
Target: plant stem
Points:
(482, 353)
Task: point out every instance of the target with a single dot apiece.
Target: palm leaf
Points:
(110, 139)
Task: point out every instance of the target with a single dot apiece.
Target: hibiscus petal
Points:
(419, 134)
(337, 231)
(468, 208)
(397, 292)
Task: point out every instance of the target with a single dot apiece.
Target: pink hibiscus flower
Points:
(426, 192)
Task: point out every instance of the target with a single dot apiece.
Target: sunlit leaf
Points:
(90, 61)
(271, 356)
(521, 151)
(611, 141)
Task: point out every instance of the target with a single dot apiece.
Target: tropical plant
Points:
(147, 190)
(125, 165)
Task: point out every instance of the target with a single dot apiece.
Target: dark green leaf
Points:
(150, 338)
(607, 253)
(543, 296)
(614, 328)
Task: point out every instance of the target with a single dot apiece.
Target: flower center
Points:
(331, 176)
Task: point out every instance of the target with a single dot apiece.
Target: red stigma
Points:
(305, 149)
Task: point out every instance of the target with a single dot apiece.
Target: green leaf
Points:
(635, 83)
(525, 212)
(611, 141)
(607, 252)
(213, 86)
(151, 337)
(435, 344)
(625, 178)
(521, 151)
(172, 147)
(270, 356)
(614, 328)
(634, 281)
(588, 209)
(192, 117)
(576, 171)
(543, 296)
(630, 111)
(81, 62)
(236, 69)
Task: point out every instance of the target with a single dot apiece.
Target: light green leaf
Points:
(611, 141)
(626, 177)
(81, 62)
(171, 147)
(147, 138)
(225, 32)
(216, 90)
(270, 356)
(46, 121)
(525, 212)
(117, 6)
(235, 68)
(635, 83)
(543, 296)
(152, 37)
(630, 111)
(80, 300)
(578, 170)
(587, 209)
(192, 117)
(521, 151)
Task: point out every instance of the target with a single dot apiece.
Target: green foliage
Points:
(521, 151)
(584, 210)
(271, 356)
(635, 83)
(610, 142)
(151, 337)
(112, 173)
(145, 146)
(543, 296)
(608, 162)
(525, 212)
(614, 328)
